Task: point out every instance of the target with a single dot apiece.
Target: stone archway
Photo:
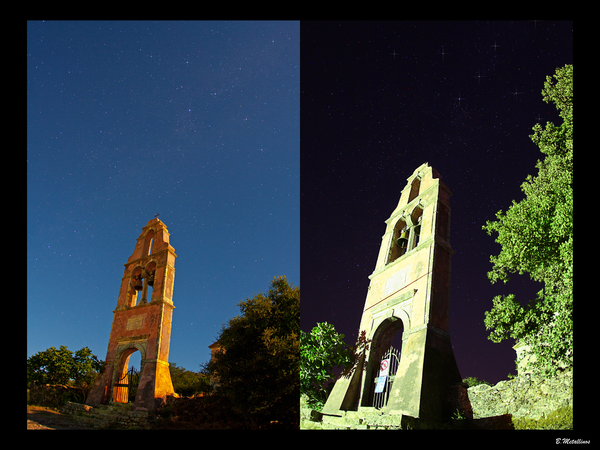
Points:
(389, 330)
(124, 353)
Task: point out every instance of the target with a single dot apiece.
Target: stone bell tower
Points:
(143, 325)
(409, 293)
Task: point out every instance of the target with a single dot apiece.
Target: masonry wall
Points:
(524, 396)
(54, 395)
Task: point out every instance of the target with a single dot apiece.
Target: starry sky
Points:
(378, 99)
(196, 121)
(200, 122)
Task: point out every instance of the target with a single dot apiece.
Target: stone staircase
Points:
(118, 415)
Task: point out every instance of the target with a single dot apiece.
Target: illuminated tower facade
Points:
(142, 324)
(409, 293)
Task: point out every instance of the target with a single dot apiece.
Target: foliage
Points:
(561, 419)
(320, 351)
(258, 366)
(536, 236)
(188, 383)
(209, 412)
(474, 381)
(62, 366)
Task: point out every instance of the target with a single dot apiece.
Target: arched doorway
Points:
(384, 359)
(126, 384)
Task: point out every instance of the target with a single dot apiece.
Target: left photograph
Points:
(163, 224)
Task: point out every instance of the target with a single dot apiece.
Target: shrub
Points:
(561, 419)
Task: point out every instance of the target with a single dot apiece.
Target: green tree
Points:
(86, 367)
(536, 236)
(474, 381)
(62, 366)
(258, 367)
(321, 351)
(188, 383)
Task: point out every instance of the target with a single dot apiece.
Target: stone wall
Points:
(493, 407)
(54, 395)
(117, 415)
(524, 396)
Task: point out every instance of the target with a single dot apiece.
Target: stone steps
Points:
(120, 415)
(363, 419)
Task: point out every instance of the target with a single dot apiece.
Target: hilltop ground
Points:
(44, 418)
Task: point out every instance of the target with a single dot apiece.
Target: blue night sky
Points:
(197, 121)
(200, 122)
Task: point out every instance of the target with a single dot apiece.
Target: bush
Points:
(55, 395)
(474, 381)
(62, 366)
(187, 383)
(209, 412)
(561, 419)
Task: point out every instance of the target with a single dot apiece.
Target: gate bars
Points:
(387, 374)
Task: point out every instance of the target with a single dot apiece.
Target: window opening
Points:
(414, 189)
(148, 243)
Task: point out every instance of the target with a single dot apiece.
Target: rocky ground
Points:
(43, 418)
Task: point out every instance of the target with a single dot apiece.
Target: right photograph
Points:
(436, 225)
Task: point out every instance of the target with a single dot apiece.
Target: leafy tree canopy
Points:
(474, 381)
(258, 366)
(188, 383)
(321, 351)
(536, 236)
(62, 366)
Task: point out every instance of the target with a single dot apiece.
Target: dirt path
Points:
(42, 418)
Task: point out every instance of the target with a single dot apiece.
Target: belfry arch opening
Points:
(399, 244)
(386, 345)
(142, 283)
(416, 217)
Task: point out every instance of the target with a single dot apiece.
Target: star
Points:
(459, 98)
(495, 46)
(442, 53)
(479, 76)
(516, 93)
(394, 53)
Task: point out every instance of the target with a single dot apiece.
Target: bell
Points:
(138, 286)
(402, 241)
(151, 279)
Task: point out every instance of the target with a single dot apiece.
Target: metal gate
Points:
(387, 373)
(125, 389)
